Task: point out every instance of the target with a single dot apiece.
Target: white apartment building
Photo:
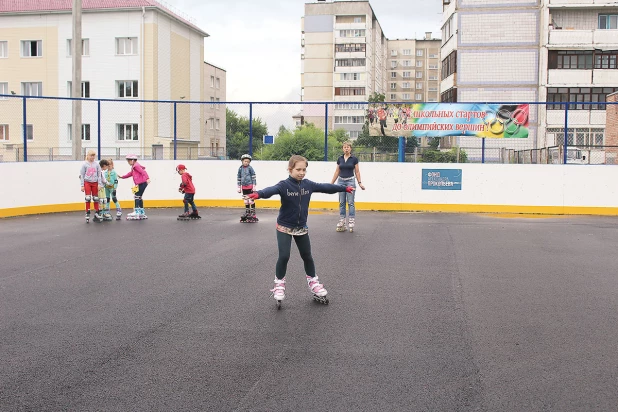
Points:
(343, 60)
(413, 68)
(132, 50)
(528, 51)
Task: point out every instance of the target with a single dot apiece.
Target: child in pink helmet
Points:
(141, 180)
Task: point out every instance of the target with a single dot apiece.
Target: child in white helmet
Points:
(246, 183)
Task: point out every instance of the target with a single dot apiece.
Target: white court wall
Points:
(571, 189)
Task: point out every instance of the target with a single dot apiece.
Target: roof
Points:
(64, 6)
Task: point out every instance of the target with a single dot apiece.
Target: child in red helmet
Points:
(186, 187)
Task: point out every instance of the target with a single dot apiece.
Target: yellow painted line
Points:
(316, 206)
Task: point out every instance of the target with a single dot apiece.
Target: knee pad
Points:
(185, 201)
(251, 202)
(95, 199)
(137, 197)
(88, 199)
(246, 201)
(114, 199)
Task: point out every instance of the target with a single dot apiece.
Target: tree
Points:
(237, 133)
(340, 135)
(434, 155)
(306, 140)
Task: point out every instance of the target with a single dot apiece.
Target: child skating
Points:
(89, 177)
(110, 190)
(188, 189)
(295, 193)
(246, 182)
(103, 183)
(141, 181)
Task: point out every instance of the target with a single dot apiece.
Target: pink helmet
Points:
(131, 157)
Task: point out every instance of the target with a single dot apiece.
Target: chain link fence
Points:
(40, 129)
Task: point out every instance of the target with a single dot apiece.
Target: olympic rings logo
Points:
(505, 121)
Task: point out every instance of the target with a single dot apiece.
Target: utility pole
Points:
(76, 85)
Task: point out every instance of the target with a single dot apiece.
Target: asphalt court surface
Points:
(428, 312)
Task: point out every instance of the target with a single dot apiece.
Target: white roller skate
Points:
(142, 213)
(118, 214)
(88, 216)
(278, 292)
(341, 225)
(97, 217)
(133, 215)
(351, 224)
(317, 289)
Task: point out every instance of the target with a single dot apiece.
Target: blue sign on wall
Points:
(441, 179)
(269, 139)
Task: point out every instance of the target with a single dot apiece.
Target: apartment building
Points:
(215, 80)
(343, 60)
(530, 51)
(132, 50)
(413, 70)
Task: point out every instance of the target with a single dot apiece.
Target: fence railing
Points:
(39, 129)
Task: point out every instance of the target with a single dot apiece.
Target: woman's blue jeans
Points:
(347, 197)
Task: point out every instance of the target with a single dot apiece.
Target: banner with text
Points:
(448, 119)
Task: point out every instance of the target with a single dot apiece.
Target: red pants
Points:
(91, 189)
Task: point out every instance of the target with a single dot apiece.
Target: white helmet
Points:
(131, 157)
(245, 156)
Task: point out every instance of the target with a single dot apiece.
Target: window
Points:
(218, 105)
(85, 89)
(126, 45)
(579, 97)
(212, 123)
(349, 76)
(419, 75)
(4, 49)
(128, 132)
(407, 63)
(29, 131)
(407, 52)
(419, 63)
(85, 47)
(407, 75)
(584, 59)
(393, 96)
(393, 75)
(218, 82)
(583, 136)
(419, 53)
(354, 134)
(393, 86)
(32, 89)
(433, 56)
(212, 81)
(433, 77)
(4, 132)
(393, 53)
(449, 65)
(217, 124)
(418, 96)
(31, 48)
(349, 62)
(419, 86)
(350, 106)
(212, 102)
(433, 89)
(358, 20)
(85, 131)
(406, 85)
(447, 30)
(352, 33)
(406, 96)
(433, 66)
(350, 119)
(127, 88)
(4, 89)
(608, 21)
(351, 47)
(449, 96)
(349, 91)
(393, 64)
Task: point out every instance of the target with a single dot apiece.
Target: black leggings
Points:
(139, 202)
(284, 241)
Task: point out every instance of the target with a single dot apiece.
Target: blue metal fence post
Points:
(250, 129)
(402, 149)
(175, 129)
(99, 128)
(326, 132)
(483, 150)
(566, 132)
(25, 130)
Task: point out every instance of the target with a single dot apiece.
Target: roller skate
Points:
(88, 216)
(251, 218)
(245, 218)
(184, 216)
(118, 214)
(97, 217)
(194, 215)
(142, 213)
(278, 292)
(107, 217)
(134, 215)
(351, 224)
(317, 290)
(341, 225)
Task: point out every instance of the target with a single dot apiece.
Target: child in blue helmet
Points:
(246, 182)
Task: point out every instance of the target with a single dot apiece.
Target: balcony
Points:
(571, 77)
(581, 3)
(601, 39)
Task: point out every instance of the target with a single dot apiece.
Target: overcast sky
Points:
(258, 41)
